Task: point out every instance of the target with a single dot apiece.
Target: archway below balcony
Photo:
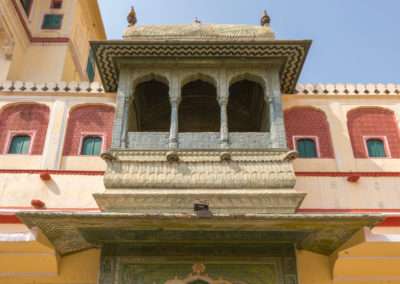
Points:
(199, 110)
(151, 108)
(247, 110)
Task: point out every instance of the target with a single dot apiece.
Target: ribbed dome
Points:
(199, 31)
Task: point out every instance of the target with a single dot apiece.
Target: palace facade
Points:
(187, 154)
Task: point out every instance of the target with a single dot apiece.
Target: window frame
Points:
(385, 146)
(85, 135)
(30, 9)
(295, 138)
(10, 136)
(52, 4)
(52, 29)
(90, 59)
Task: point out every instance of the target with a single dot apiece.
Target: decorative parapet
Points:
(347, 89)
(52, 87)
(308, 89)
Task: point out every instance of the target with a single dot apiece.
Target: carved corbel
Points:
(7, 42)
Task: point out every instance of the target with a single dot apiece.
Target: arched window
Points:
(20, 144)
(307, 122)
(199, 110)
(370, 124)
(88, 121)
(91, 146)
(247, 110)
(24, 120)
(306, 148)
(376, 148)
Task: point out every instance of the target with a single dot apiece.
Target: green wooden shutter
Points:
(20, 145)
(91, 146)
(376, 148)
(306, 148)
(90, 68)
(52, 22)
(96, 146)
(26, 4)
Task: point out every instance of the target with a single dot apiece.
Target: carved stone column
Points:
(274, 99)
(223, 102)
(174, 98)
(173, 132)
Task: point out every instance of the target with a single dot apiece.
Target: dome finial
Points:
(197, 21)
(132, 17)
(265, 20)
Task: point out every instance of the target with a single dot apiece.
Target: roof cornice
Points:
(292, 53)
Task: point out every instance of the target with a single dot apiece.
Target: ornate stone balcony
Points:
(253, 181)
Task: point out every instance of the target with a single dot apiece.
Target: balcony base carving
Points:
(257, 181)
(224, 201)
(196, 169)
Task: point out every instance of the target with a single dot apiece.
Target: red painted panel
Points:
(372, 122)
(88, 119)
(25, 117)
(307, 121)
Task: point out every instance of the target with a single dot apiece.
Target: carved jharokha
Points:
(198, 121)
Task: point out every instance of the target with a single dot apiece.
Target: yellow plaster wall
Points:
(44, 63)
(313, 268)
(338, 193)
(83, 163)
(62, 191)
(69, 73)
(77, 268)
(47, 62)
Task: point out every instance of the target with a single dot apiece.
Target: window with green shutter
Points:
(376, 148)
(20, 144)
(306, 148)
(91, 146)
(52, 22)
(90, 68)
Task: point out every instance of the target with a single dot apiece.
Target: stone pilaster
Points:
(274, 100)
(121, 110)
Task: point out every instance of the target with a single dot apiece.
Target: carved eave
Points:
(71, 232)
(291, 54)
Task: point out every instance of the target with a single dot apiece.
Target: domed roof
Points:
(199, 31)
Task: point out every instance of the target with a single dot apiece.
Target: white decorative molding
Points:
(347, 89)
(51, 87)
(96, 87)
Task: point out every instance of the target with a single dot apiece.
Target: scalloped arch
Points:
(248, 76)
(199, 76)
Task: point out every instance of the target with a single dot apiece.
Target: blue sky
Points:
(354, 41)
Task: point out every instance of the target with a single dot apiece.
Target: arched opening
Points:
(151, 109)
(247, 110)
(308, 123)
(198, 281)
(17, 122)
(199, 110)
(374, 133)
